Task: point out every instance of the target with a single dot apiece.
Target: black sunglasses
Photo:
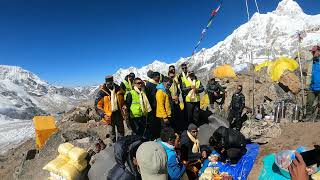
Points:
(139, 83)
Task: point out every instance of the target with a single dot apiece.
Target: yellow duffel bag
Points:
(65, 148)
(77, 154)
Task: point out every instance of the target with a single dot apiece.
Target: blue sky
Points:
(78, 42)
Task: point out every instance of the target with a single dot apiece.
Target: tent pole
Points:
(301, 76)
(253, 84)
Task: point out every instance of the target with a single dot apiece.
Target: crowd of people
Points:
(164, 115)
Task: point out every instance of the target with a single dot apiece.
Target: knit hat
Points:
(192, 127)
(109, 78)
(152, 161)
(155, 74)
(150, 74)
(132, 75)
(184, 65)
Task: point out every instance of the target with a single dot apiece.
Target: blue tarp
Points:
(242, 169)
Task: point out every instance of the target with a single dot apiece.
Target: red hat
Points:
(315, 48)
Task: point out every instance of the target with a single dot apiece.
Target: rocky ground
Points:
(79, 127)
(292, 136)
(15, 166)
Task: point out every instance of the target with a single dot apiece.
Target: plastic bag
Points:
(65, 148)
(80, 165)
(55, 165)
(316, 176)
(69, 172)
(77, 154)
(66, 158)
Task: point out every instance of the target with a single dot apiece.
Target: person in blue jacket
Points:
(169, 141)
(314, 88)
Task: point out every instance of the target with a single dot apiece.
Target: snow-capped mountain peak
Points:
(266, 36)
(17, 74)
(288, 8)
(141, 72)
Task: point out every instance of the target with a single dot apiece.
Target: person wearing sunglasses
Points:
(181, 79)
(139, 107)
(192, 87)
(178, 122)
(190, 151)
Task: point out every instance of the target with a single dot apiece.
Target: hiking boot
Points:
(102, 144)
(97, 148)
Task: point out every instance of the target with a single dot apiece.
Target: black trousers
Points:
(193, 110)
(214, 99)
(138, 125)
(177, 121)
(116, 120)
(234, 119)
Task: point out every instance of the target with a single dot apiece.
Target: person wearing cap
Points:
(177, 123)
(110, 105)
(170, 141)
(190, 150)
(163, 108)
(236, 108)
(174, 88)
(127, 84)
(215, 92)
(181, 79)
(139, 107)
(192, 87)
(152, 161)
(313, 80)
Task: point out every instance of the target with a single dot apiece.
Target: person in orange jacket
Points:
(110, 105)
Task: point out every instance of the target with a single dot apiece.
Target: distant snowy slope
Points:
(142, 72)
(23, 94)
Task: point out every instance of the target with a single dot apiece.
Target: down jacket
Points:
(163, 103)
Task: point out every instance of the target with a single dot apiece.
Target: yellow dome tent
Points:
(224, 71)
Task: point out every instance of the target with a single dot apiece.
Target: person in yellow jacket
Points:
(192, 87)
(163, 108)
(139, 107)
(110, 105)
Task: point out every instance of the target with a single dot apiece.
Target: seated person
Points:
(170, 141)
(190, 151)
(125, 155)
(215, 92)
